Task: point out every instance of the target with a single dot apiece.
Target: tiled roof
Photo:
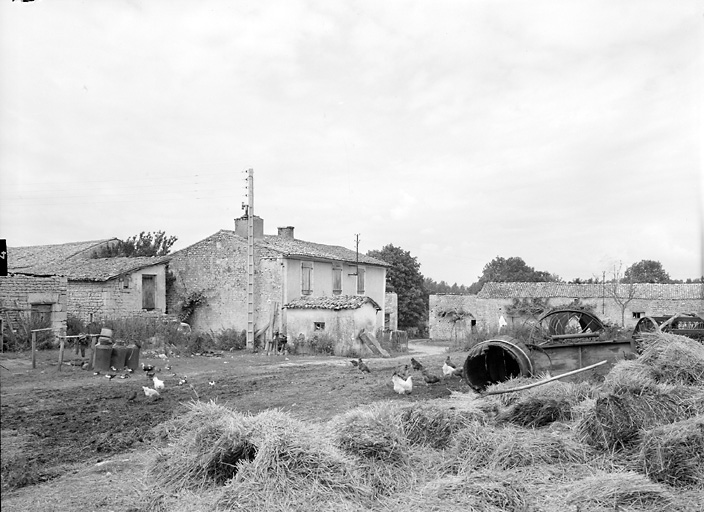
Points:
(582, 291)
(99, 269)
(29, 256)
(336, 303)
(272, 246)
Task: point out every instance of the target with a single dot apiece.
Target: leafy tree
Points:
(144, 244)
(647, 271)
(405, 279)
(433, 287)
(508, 270)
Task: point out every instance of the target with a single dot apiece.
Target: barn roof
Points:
(98, 269)
(30, 256)
(336, 302)
(582, 291)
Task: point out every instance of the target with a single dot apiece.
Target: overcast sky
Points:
(567, 133)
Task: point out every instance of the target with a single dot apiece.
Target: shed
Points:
(337, 321)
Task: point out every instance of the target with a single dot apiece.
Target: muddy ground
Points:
(52, 420)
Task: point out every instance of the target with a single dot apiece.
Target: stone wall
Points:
(488, 312)
(18, 292)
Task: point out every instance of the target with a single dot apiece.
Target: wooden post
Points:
(34, 349)
(61, 351)
(92, 351)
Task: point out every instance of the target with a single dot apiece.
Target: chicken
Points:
(402, 386)
(110, 376)
(416, 364)
(131, 397)
(150, 392)
(124, 376)
(354, 363)
(158, 384)
(429, 378)
(211, 383)
(449, 369)
(183, 380)
(363, 366)
(147, 367)
(402, 371)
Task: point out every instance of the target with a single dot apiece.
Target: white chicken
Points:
(150, 392)
(402, 386)
(158, 384)
(449, 369)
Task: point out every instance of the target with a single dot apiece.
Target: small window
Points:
(337, 278)
(318, 326)
(125, 282)
(638, 314)
(360, 280)
(306, 277)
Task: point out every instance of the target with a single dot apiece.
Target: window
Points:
(125, 281)
(337, 278)
(306, 277)
(360, 280)
(41, 315)
(318, 326)
(148, 291)
(638, 314)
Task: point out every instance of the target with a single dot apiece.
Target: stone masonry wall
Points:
(487, 312)
(18, 292)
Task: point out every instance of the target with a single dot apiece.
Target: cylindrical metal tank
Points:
(119, 354)
(132, 358)
(496, 360)
(103, 354)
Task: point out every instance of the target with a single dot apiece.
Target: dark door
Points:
(148, 292)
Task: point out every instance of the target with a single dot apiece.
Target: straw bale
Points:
(295, 463)
(479, 446)
(674, 359)
(630, 375)
(373, 431)
(433, 424)
(674, 454)
(206, 448)
(536, 412)
(620, 489)
(616, 419)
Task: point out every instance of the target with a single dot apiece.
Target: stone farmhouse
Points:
(300, 288)
(50, 282)
(452, 316)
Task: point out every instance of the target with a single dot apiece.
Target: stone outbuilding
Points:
(495, 306)
(95, 288)
(337, 320)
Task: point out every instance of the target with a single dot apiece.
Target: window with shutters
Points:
(337, 278)
(306, 277)
(148, 292)
(360, 280)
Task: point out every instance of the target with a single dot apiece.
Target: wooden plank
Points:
(62, 341)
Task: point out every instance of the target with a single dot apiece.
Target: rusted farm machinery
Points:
(562, 340)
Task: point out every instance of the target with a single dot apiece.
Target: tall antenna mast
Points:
(250, 260)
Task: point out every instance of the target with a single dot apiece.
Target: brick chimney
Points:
(241, 227)
(286, 232)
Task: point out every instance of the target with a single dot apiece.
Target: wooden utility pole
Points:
(250, 259)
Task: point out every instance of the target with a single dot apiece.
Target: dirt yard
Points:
(54, 423)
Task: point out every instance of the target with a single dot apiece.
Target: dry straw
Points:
(434, 424)
(495, 448)
(674, 454)
(616, 419)
(673, 359)
(616, 490)
(630, 376)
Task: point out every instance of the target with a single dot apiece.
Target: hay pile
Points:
(673, 359)
(372, 432)
(616, 419)
(630, 376)
(266, 461)
(615, 490)
(434, 424)
(674, 454)
(480, 447)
